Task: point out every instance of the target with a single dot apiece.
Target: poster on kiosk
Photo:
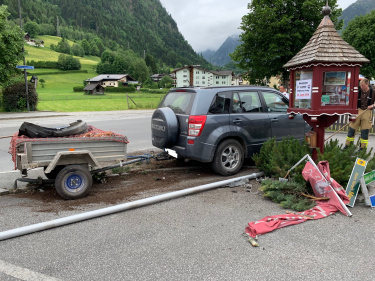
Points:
(303, 89)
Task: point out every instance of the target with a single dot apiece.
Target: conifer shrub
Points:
(14, 97)
(288, 194)
(276, 158)
(341, 161)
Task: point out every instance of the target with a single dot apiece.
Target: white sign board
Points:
(303, 89)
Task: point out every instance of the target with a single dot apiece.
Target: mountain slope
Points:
(361, 7)
(221, 56)
(141, 25)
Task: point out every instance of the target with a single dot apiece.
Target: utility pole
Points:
(24, 59)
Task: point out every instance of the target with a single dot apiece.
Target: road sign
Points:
(25, 66)
(372, 199)
(354, 181)
(369, 177)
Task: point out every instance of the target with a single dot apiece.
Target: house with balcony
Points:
(194, 75)
(157, 77)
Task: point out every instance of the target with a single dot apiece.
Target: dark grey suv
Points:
(222, 125)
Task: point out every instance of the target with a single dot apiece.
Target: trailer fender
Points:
(65, 158)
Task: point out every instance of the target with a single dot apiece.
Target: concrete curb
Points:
(22, 117)
(9, 183)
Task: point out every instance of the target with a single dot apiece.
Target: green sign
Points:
(325, 98)
(369, 177)
(353, 184)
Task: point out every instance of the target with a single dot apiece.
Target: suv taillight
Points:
(196, 124)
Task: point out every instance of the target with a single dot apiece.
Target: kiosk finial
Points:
(326, 10)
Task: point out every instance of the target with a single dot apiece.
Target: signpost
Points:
(24, 66)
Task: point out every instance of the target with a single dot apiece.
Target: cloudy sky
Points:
(206, 24)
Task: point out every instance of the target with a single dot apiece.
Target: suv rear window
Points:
(179, 102)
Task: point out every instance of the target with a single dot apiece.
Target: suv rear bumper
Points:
(202, 152)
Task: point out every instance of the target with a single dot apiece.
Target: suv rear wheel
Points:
(228, 158)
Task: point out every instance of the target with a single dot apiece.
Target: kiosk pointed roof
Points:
(326, 46)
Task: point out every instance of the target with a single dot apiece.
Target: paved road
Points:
(135, 124)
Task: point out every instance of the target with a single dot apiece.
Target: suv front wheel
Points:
(228, 158)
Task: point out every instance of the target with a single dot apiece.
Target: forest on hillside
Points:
(361, 7)
(143, 26)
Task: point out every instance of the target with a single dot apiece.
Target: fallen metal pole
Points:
(118, 208)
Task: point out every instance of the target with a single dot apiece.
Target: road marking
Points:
(23, 273)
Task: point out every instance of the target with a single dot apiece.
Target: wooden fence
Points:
(342, 121)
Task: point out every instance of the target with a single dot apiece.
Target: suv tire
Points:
(228, 158)
(164, 128)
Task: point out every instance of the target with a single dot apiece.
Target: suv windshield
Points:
(179, 102)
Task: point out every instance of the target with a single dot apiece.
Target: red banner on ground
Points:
(323, 186)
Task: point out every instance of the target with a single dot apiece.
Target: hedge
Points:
(120, 89)
(154, 91)
(78, 88)
(43, 64)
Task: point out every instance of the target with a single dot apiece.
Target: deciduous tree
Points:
(11, 43)
(86, 47)
(140, 70)
(63, 47)
(166, 82)
(32, 28)
(151, 63)
(274, 31)
(67, 62)
(77, 50)
(360, 33)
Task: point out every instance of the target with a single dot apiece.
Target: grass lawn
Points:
(48, 40)
(61, 84)
(81, 102)
(57, 92)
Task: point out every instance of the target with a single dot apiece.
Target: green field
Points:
(100, 103)
(58, 95)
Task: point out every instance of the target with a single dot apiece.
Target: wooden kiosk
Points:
(324, 79)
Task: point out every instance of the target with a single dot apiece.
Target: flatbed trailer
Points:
(70, 161)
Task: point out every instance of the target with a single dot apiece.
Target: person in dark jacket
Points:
(365, 105)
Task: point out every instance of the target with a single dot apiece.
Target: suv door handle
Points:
(237, 120)
(274, 119)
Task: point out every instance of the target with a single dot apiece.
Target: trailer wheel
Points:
(73, 182)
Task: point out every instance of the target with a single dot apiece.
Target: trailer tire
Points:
(73, 182)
